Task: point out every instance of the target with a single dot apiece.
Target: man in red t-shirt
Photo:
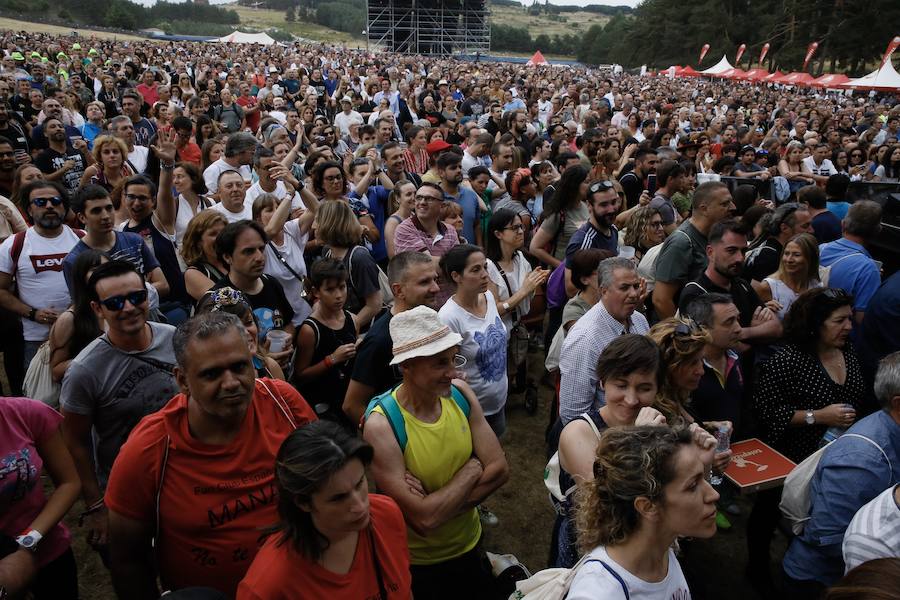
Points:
(198, 476)
(149, 88)
(250, 105)
(187, 148)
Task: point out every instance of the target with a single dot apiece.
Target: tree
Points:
(289, 15)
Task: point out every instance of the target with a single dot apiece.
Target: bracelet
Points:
(93, 508)
(167, 167)
(328, 362)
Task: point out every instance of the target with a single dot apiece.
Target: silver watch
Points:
(810, 418)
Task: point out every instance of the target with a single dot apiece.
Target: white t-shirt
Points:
(343, 121)
(292, 252)
(138, 158)
(39, 274)
(593, 581)
(212, 172)
(246, 213)
(874, 532)
(515, 278)
(184, 214)
(826, 168)
(483, 344)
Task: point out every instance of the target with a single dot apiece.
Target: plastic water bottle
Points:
(723, 444)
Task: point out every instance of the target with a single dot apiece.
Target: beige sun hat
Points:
(419, 332)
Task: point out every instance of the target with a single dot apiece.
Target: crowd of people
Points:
(241, 287)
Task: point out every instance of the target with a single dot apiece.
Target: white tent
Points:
(239, 37)
(720, 67)
(885, 79)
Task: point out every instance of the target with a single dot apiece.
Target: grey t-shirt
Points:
(683, 255)
(117, 389)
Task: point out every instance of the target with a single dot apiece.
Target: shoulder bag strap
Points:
(280, 402)
(617, 576)
(874, 443)
(517, 317)
(590, 422)
(283, 261)
(377, 563)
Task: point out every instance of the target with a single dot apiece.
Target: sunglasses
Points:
(42, 202)
(600, 185)
(117, 303)
(836, 294)
(686, 329)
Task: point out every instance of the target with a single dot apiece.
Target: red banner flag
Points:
(740, 53)
(810, 50)
(703, 52)
(890, 50)
(763, 52)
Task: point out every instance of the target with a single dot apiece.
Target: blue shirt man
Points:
(857, 466)
(449, 166)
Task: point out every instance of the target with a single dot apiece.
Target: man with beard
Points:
(34, 257)
(7, 166)
(52, 109)
(449, 167)
(15, 133)
(113, 383)
(518, 127)
(63, 161)
(725, 251)
(598, 231)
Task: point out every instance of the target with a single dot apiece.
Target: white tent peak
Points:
(884, 79)
(720, 67)
(239, 37)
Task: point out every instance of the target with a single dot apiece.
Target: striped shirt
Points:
(875, 530)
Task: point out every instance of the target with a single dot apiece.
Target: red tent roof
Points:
(538, 59)
(733, 73)
(832, 80)
(797, 78)
(773, 77)
(755, 74)
(688, 71)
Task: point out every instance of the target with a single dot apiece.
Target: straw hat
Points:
(418, 332)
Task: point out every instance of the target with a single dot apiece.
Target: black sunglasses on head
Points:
(600, 185)
(117, 303)
(42, 202)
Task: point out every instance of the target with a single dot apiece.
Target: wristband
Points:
(31, 314)
(167, 167)
(328, 362)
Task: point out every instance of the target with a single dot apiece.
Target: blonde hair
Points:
(103, 140)
(809, 247)
(637, 225)
(192, 243)
(679, 341)
(631, 462)
(337, 225)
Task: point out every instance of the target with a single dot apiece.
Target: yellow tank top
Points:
(434, 453)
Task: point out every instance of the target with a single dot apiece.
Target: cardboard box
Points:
(757, 466)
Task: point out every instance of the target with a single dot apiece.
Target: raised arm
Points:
(166, 208)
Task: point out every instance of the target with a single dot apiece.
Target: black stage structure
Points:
(432, 27)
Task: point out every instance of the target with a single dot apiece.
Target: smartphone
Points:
(651, 184)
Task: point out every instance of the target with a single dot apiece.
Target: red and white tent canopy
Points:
(537, 59)
(832, 80)
(885, 79)
(718, 68)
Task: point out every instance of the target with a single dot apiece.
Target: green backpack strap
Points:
(391, 409)
(388, 403)
(460, 400)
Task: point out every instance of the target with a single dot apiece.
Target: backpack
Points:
(553, 470)
(825, 272)
(554, 584)
(387, 296)
(388, 403)
(795, 502)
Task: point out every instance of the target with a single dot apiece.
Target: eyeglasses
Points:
(137, 198)
(656, 224)
(600, 185)
(688, 328)
(117, 303)
(459, 361)
(42, 202)
(421, 198)
(836, 294)
(333, 178)
(516, 228)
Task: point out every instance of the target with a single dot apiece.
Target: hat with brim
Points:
(418, 332)
(436, 146)
(17, 56)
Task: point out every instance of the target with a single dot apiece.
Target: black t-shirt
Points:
(164, 251)
(270, 305)
(633, 187)
(373, 357)
(763, 261)
(50, 161)
(472, 107)
(826, 227)
(745, 299)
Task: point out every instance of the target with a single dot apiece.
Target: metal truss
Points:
(431, 27)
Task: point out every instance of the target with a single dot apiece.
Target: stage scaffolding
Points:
(433, 27)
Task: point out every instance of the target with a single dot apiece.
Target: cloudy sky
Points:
(576, 2)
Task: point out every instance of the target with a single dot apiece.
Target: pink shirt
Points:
(24, 424)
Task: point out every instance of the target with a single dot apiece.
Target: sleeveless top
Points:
(434, 453)
(784, 295)
(330, 387)
(184, 212)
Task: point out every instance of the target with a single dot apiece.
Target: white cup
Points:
(278, 340)
(626, 251)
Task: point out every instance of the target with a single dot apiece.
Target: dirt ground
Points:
(17, 25)
(526, 519)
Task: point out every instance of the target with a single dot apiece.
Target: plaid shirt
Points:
(578, 386)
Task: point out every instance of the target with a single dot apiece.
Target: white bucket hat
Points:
(418, 332)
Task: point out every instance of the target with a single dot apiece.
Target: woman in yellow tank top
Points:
(436, 456)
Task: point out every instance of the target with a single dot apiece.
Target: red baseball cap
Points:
(436, 146)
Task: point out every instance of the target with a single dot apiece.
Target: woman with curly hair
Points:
(648, 490)
(681, 342)
(644, 230)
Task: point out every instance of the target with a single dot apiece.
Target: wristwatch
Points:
(29, 541)
(810, 418)
(505, 306)
(32, 313)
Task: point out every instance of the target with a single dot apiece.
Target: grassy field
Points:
(32, 27)
(565, 23)
(262, 18)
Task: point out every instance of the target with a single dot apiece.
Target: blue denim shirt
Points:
(851, 473)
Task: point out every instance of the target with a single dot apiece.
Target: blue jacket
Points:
(851, 473)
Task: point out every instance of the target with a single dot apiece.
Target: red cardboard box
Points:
(756, 466)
